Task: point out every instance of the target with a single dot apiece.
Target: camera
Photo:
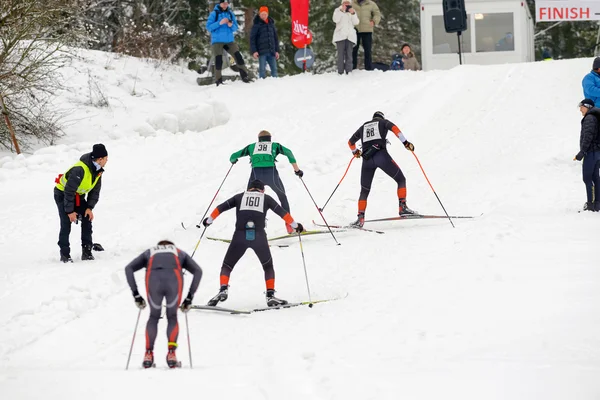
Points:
(348, 7)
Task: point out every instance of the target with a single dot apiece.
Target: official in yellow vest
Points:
(76, 194)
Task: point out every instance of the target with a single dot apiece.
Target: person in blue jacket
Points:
(264, 43)
(591, 83)
(222, 24)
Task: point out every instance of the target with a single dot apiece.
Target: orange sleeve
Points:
(396, 131)
(288, 218)
(215, 213)
(352, 146)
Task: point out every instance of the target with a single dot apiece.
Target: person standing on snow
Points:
(373, 135)
(264, 43)
(344, 36)
(263, 155)
(589, 152)
(591, 83)
(164, 279)
(81, 180)
(222, 24)
(369, 17)
(251, 209)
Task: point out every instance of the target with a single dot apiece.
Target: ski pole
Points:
(317, 207)
(133, 340)
(187, 327)
(310, 304)
(432, 189)
(214, 197)
(338, 185)
(198, 243)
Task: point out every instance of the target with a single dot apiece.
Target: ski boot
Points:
(589, 206)
(86, 252)
(289, 229)
(148, 359)
(172, 358)
(219, 82)
(221, 296)
(65, 257)
(273, 301)
(403, 209)
(360, 221)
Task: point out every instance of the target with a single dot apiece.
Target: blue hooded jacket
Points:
(591, 86)
(221, 33)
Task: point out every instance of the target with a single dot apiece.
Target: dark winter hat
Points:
(596, 63)
(587, 103)
(379, 115)
(256, 184)
(99, 151)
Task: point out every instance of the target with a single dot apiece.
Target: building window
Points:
(446, 43)
(494, 32)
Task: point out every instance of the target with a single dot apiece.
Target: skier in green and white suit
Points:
(263, 155)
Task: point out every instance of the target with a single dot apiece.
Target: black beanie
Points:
(99, 151)
(587, 103)
(596, 63)
(378, 114)
(256, 184)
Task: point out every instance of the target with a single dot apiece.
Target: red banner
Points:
(301, 35)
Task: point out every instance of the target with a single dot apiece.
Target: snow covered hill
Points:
(504, 306)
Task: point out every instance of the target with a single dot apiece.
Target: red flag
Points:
(301, 36)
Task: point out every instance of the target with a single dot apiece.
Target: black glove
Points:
(356, 153)
(187, 304)
(579, 156)
(206, 223)
(299, 173)
(409, 146)
(299, 228)
(97, 247)
(139, 301)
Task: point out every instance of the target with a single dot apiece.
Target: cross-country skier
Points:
(251, 208)
(76, 194)
(263, 155)
(375, 155)
(164, 279)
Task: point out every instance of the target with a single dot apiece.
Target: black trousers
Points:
(163, 284)
(591, 176)
(239, 245)
(366, 38)
(270, 177)
(65, 223)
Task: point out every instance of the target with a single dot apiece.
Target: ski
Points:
(305, 233)
(348, 227)
(220, 309)
(419, 216)
(281, 246)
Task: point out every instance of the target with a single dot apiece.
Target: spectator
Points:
(344, 36)
(507, 43)
(547, 55)
(409, 59)
(222, 24)
(589, 152)
(264, 43)
(368, 16)
(591, 83)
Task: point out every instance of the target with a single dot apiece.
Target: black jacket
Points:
(590, 131)
(74, 177)
(263, 38)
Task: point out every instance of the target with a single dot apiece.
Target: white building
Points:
(498, 32)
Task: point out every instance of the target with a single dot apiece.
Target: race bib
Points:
(253, 201)
(262, 148)
(371, 131)
(163, 249)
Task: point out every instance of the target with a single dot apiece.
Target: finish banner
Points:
(567, 10)
(301, 36)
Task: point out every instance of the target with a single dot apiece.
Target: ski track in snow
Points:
(505, 305)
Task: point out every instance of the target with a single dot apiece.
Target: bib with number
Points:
(371, 132)
(253, 201)
(263, 148)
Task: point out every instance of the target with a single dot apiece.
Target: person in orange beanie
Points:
(264, 43)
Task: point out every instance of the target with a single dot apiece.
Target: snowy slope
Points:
(505, 306)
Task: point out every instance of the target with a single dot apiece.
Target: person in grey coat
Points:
(589, 152)
(408, 58)
(164, 265)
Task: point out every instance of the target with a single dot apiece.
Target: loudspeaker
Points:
(455, 15)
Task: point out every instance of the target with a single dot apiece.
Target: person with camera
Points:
(373, 136)
(368, 16)
(251, 210)
(222, 24)
(344, 36)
